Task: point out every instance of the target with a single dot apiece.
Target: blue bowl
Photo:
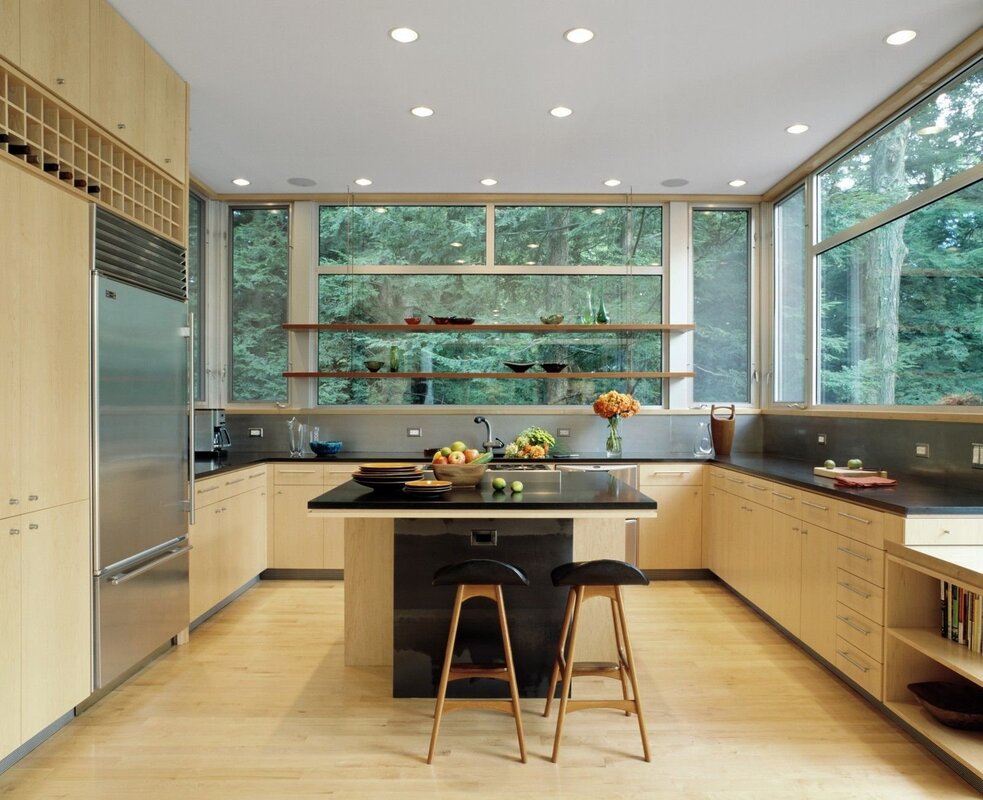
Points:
(326, 448)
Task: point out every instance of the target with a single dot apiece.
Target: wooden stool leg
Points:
(632, 675)
(567, 673)
(558, 661)
(513, 686)
(445, 671)
(621, 653)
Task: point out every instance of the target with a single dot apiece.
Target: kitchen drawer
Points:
(736, 483)
(860, 631)
(859, 667)
(298, 474)
(758, 490)
(860, 595)
(718, 478)
(785, 499)
(670, 474)
(816, 509)
(255, 477)
(860, 559)
(858, 522)
(236, 482)
(965, 530)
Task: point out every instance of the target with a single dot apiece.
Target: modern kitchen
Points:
(353, 352)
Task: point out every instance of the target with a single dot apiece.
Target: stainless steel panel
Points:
(140, 421)
(138, 610)
(628, 473)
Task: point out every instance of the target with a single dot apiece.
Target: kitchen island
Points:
(393, 542)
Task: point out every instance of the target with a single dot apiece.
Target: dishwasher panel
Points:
(627, 473)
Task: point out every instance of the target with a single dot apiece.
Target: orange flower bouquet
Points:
(614, 406)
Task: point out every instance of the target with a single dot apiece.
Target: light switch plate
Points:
(414, 432)
(562, 431)
(921, 450)
(821, 438)
(255, 433)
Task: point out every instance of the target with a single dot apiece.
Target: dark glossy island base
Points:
(422, 612)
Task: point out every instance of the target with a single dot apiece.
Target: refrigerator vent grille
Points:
(132, 254)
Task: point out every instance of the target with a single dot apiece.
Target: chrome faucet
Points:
(489, 444)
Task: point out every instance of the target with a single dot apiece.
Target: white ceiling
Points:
(695, 89)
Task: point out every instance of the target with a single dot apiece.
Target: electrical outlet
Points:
(821, 438)
(255, 433)
(977, 455)
(414, 432)
(562, 431)
(921, 450)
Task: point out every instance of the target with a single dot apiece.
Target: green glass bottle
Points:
(602, 313)
(587, 318)
(394, 359)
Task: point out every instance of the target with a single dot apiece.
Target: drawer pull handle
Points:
(855, 519)
(850, 552)
(854, 625)
(815, 505)
(237, 480)
(783, 496)
(854, 589)
(13, 501)
(257, 475)
(857, 664)
(207, 489)
(757, 487)
(33, 526)
(32, 497)
(661, 473)
(296, 472)
(735, 480)
(14, 531)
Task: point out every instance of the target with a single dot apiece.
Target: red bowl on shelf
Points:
(411, 320)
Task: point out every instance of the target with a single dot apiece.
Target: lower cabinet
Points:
(674, 539)
(818, 617)
(300, 541)
(45, 619)
(228, 543)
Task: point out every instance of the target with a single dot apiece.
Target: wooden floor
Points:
(259, 705)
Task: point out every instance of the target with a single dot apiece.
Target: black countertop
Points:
(913, 495)
(574, 491)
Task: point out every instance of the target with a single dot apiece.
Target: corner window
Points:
(790, 299)
(196, 287)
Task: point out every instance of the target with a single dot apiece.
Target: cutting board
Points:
(844, 472)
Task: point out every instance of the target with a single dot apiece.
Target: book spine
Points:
(944, 605)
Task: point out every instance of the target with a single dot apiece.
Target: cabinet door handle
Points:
(662, 473)
(855, 519)
(850, 552)
(854, 589)
(14, 531)
(757, 487)
(13, 501)
(257, 475)
(237, 480)
(854, 625)
(857, 664)
(735, 480)
(783, 496)
(207, 489)
(815, 505)
(32, 497)
(33, 526)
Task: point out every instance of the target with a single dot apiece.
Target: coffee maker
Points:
(211, 435)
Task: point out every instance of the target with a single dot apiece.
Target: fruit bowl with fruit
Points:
(460, 464)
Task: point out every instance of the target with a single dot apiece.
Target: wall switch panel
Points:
(414, 432)
(821, 438)
(255, 433)
(562, 431)
(921, 450)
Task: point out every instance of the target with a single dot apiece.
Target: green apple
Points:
(498, 484)
(829, 464)
(517, 486)
(855, 463)
(445, 451)
(458, 447)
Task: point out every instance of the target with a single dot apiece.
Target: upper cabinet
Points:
(54, 46)
(117, 74)
(166, 115)
(10, 30)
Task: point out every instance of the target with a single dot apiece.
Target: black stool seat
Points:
(480, 571)
(603, 572)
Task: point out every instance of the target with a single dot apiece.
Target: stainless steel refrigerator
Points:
(140, 467)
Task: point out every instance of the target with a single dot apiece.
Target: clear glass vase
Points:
(613, 442)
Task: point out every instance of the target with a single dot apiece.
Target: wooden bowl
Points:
(459, 474)
(957, 705)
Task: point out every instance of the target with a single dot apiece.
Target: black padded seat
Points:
(479, 571)
(602, 572)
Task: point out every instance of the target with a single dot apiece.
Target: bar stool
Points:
(478, 577)
(587, 579)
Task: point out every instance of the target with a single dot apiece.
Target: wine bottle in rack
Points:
(19, 149)
(51, 166)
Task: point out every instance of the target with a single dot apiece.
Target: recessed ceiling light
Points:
(612, 182)
(363, 181)
(301, 182)
(456, 244)
(532, 245)
(597, 211)
(578, 35)
(379, 210)
(930, 130)
(488, 181)
(900, 37)
(736, 183)
(421, 111)
(674, 182)
(403, 35)
(561, 111)
(240, 181)
(797, 128)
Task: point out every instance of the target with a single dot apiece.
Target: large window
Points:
(259, 251)
(196, 287)
(901, 309)
(790, 299)
(721, 299)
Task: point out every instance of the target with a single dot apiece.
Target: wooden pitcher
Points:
(722, 428)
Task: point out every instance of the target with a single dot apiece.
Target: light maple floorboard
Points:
(260, 705)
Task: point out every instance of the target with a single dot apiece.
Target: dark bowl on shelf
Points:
(440, 320)
(957, 705)
(373, 366)
(554, 367)
(411, 320)
(325, 448)
(552, 319)
(519, 366)
(462, 320)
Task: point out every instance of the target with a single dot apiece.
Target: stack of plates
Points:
(387, 476)
(427, 489)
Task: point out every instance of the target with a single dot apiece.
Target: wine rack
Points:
(66, 147)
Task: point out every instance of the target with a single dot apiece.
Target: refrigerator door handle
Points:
(189, 333)
(123, 577)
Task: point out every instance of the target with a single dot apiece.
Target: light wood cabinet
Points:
(334, 529)
(17, 244)
(818, 616)
(298, 538)
(54, 47)
(56, 611)
(674, 539)
(10, 34)
(166, 116)
(781, 594)
(117, 67)
(10, 634)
